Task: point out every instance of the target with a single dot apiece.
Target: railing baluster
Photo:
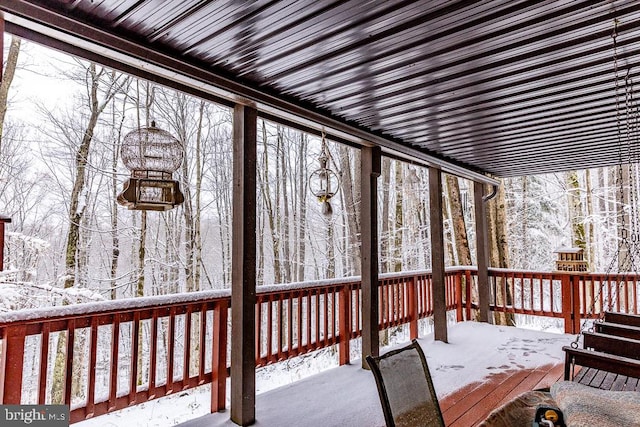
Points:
(458, 284)
(316, 344)
(133, 371)
(71, 327)
(280, 326)
(412, 296)
(170, 350)
(153, 353)
(202, 344)
(300, 323)
(44, 363)
(635, 296)
(258, 328)
(113, 374)
(269, 327)
(186, 359)
(325, 296)
(358, 309)
(470, 284)
(308, 295)
(290, 324)
(91, 372)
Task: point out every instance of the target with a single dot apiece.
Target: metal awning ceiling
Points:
(503, 87)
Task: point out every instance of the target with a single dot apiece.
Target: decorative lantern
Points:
(324, 182)
(152, 155)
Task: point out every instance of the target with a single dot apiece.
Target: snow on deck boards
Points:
(480, 368)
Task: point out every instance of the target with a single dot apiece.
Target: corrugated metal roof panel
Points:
(505, 87)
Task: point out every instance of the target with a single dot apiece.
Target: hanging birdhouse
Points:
(324, 182)
(152, 155)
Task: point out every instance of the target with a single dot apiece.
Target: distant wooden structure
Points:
(3, 220)
(570, 259)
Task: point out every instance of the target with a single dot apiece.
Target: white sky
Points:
(347, 395)
(35, 80)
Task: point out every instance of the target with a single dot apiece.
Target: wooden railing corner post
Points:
(344, 325)
(11, 364)
(219, 356)
(413, 307)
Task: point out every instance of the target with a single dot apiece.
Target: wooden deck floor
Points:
(472, 404)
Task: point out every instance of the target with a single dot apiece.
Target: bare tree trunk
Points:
(622, 201)
(458, 223)
(576, 214)
(351, 200)
(284, 221)
(399, 219)
(271, 210)
(499, 253)
(591, 235)
(385, 236)
(197, 232)
(447, 223)
(115, 241)
(7, 78)
(331, 253)
(423, 221)
(301, 219)
(525, 218)
(76, 209)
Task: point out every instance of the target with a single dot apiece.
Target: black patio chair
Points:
(405, 388)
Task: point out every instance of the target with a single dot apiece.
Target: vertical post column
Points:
(482, 252)
(243, 266)
(437, 255)
(370, 171)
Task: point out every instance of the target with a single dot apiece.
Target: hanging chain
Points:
(620, 181)
(632, 136)
(629, 242)
(616, 262)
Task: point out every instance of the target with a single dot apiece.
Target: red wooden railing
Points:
(120, 353)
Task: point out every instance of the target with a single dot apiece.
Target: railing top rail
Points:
(160, 301)
(111, 306)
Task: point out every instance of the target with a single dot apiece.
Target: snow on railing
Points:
(102, 356)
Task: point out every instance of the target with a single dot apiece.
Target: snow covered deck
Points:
(477, 356)
(347, 395)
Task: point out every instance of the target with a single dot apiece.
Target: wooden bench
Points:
(610, 357)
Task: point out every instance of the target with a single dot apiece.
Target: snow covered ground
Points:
(347, 395)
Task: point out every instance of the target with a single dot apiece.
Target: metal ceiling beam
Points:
(36, 19)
